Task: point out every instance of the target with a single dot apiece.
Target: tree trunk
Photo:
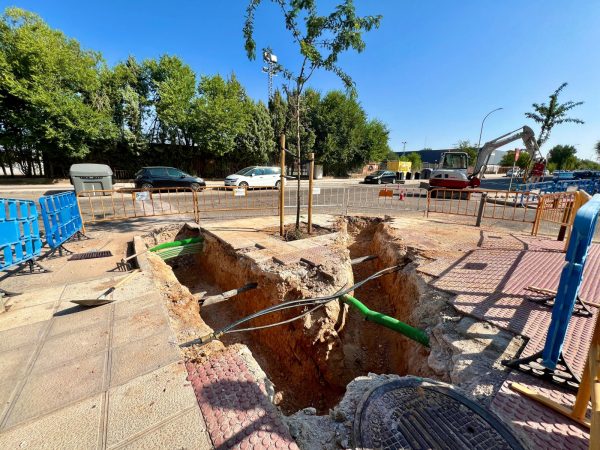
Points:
(299, 161)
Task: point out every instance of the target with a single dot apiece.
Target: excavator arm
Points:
(525, 133)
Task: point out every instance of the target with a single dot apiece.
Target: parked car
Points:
(160, 176)
(381, 176)
(255, 176)
(514, 173)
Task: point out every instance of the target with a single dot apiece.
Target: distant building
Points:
(431, 157)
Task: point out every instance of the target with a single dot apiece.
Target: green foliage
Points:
(552, 114)
(255, 144)
(61, 104)
(416, 161)
(345, 139)
(223, 112)
(51, 104)
(563, 156)
(321, 39)
(509, 158)
(174, 91)
(392, 156)
(587, 164)
(469, 149)
(597, 148)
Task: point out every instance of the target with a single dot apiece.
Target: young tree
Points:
(552, 114)
(597, 148)
(320, 40)
(563, 156)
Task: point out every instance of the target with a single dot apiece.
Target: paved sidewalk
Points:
(104, 377)
(235, 402)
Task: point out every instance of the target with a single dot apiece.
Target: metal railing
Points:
(556, 213)
(347, 199)
(484, 204)
(108, 205)
(214, 202)
(392, 198)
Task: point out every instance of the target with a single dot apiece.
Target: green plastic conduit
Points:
(180, 243)
(413, 333)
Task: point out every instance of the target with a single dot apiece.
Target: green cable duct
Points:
(179, 243)
(413, 333)
(173, 249)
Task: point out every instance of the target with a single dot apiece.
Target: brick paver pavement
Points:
(235, 405)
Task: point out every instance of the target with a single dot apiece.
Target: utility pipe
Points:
(413, 333)
(180, 243)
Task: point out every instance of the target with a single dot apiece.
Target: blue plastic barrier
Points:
(550, 187)
(545, 187)
(61, 216)
(19, 232)
(570, 280)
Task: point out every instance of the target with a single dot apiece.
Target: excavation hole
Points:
(312, 359)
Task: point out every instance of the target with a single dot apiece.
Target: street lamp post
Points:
(482, 122)
(403, 147)
(270, 69)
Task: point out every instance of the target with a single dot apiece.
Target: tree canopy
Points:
(470, 149)
(563, 157)
(509, 158)
(61, 104)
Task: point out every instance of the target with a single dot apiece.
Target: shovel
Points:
(103, 298)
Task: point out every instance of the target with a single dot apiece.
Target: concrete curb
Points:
(139, 248)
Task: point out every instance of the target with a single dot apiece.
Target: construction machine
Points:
(452, 170)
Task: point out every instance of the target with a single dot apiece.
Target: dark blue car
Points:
(160, 176)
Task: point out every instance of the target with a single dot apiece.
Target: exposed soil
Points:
(290, 233)
(324, 362)
(311, 360)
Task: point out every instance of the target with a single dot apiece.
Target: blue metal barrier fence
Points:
(61, 216)
(19, 232)
(549, 363)
(570, 279)
(550, 187)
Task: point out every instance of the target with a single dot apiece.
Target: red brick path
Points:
(235, 405)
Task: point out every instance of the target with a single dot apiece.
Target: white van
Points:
(255, 176)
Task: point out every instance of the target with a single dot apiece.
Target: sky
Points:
(431, 72)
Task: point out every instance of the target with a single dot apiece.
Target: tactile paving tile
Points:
(539, 425)
(235, 405)
(499, 264)
(501, 241)
(576, 345)
(541, 243)
(438, 267)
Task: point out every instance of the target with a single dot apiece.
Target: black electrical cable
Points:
(318, 302)
(283, 322)
(307, 301)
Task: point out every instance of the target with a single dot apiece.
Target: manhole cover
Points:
(90, 255)
(412, 413)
